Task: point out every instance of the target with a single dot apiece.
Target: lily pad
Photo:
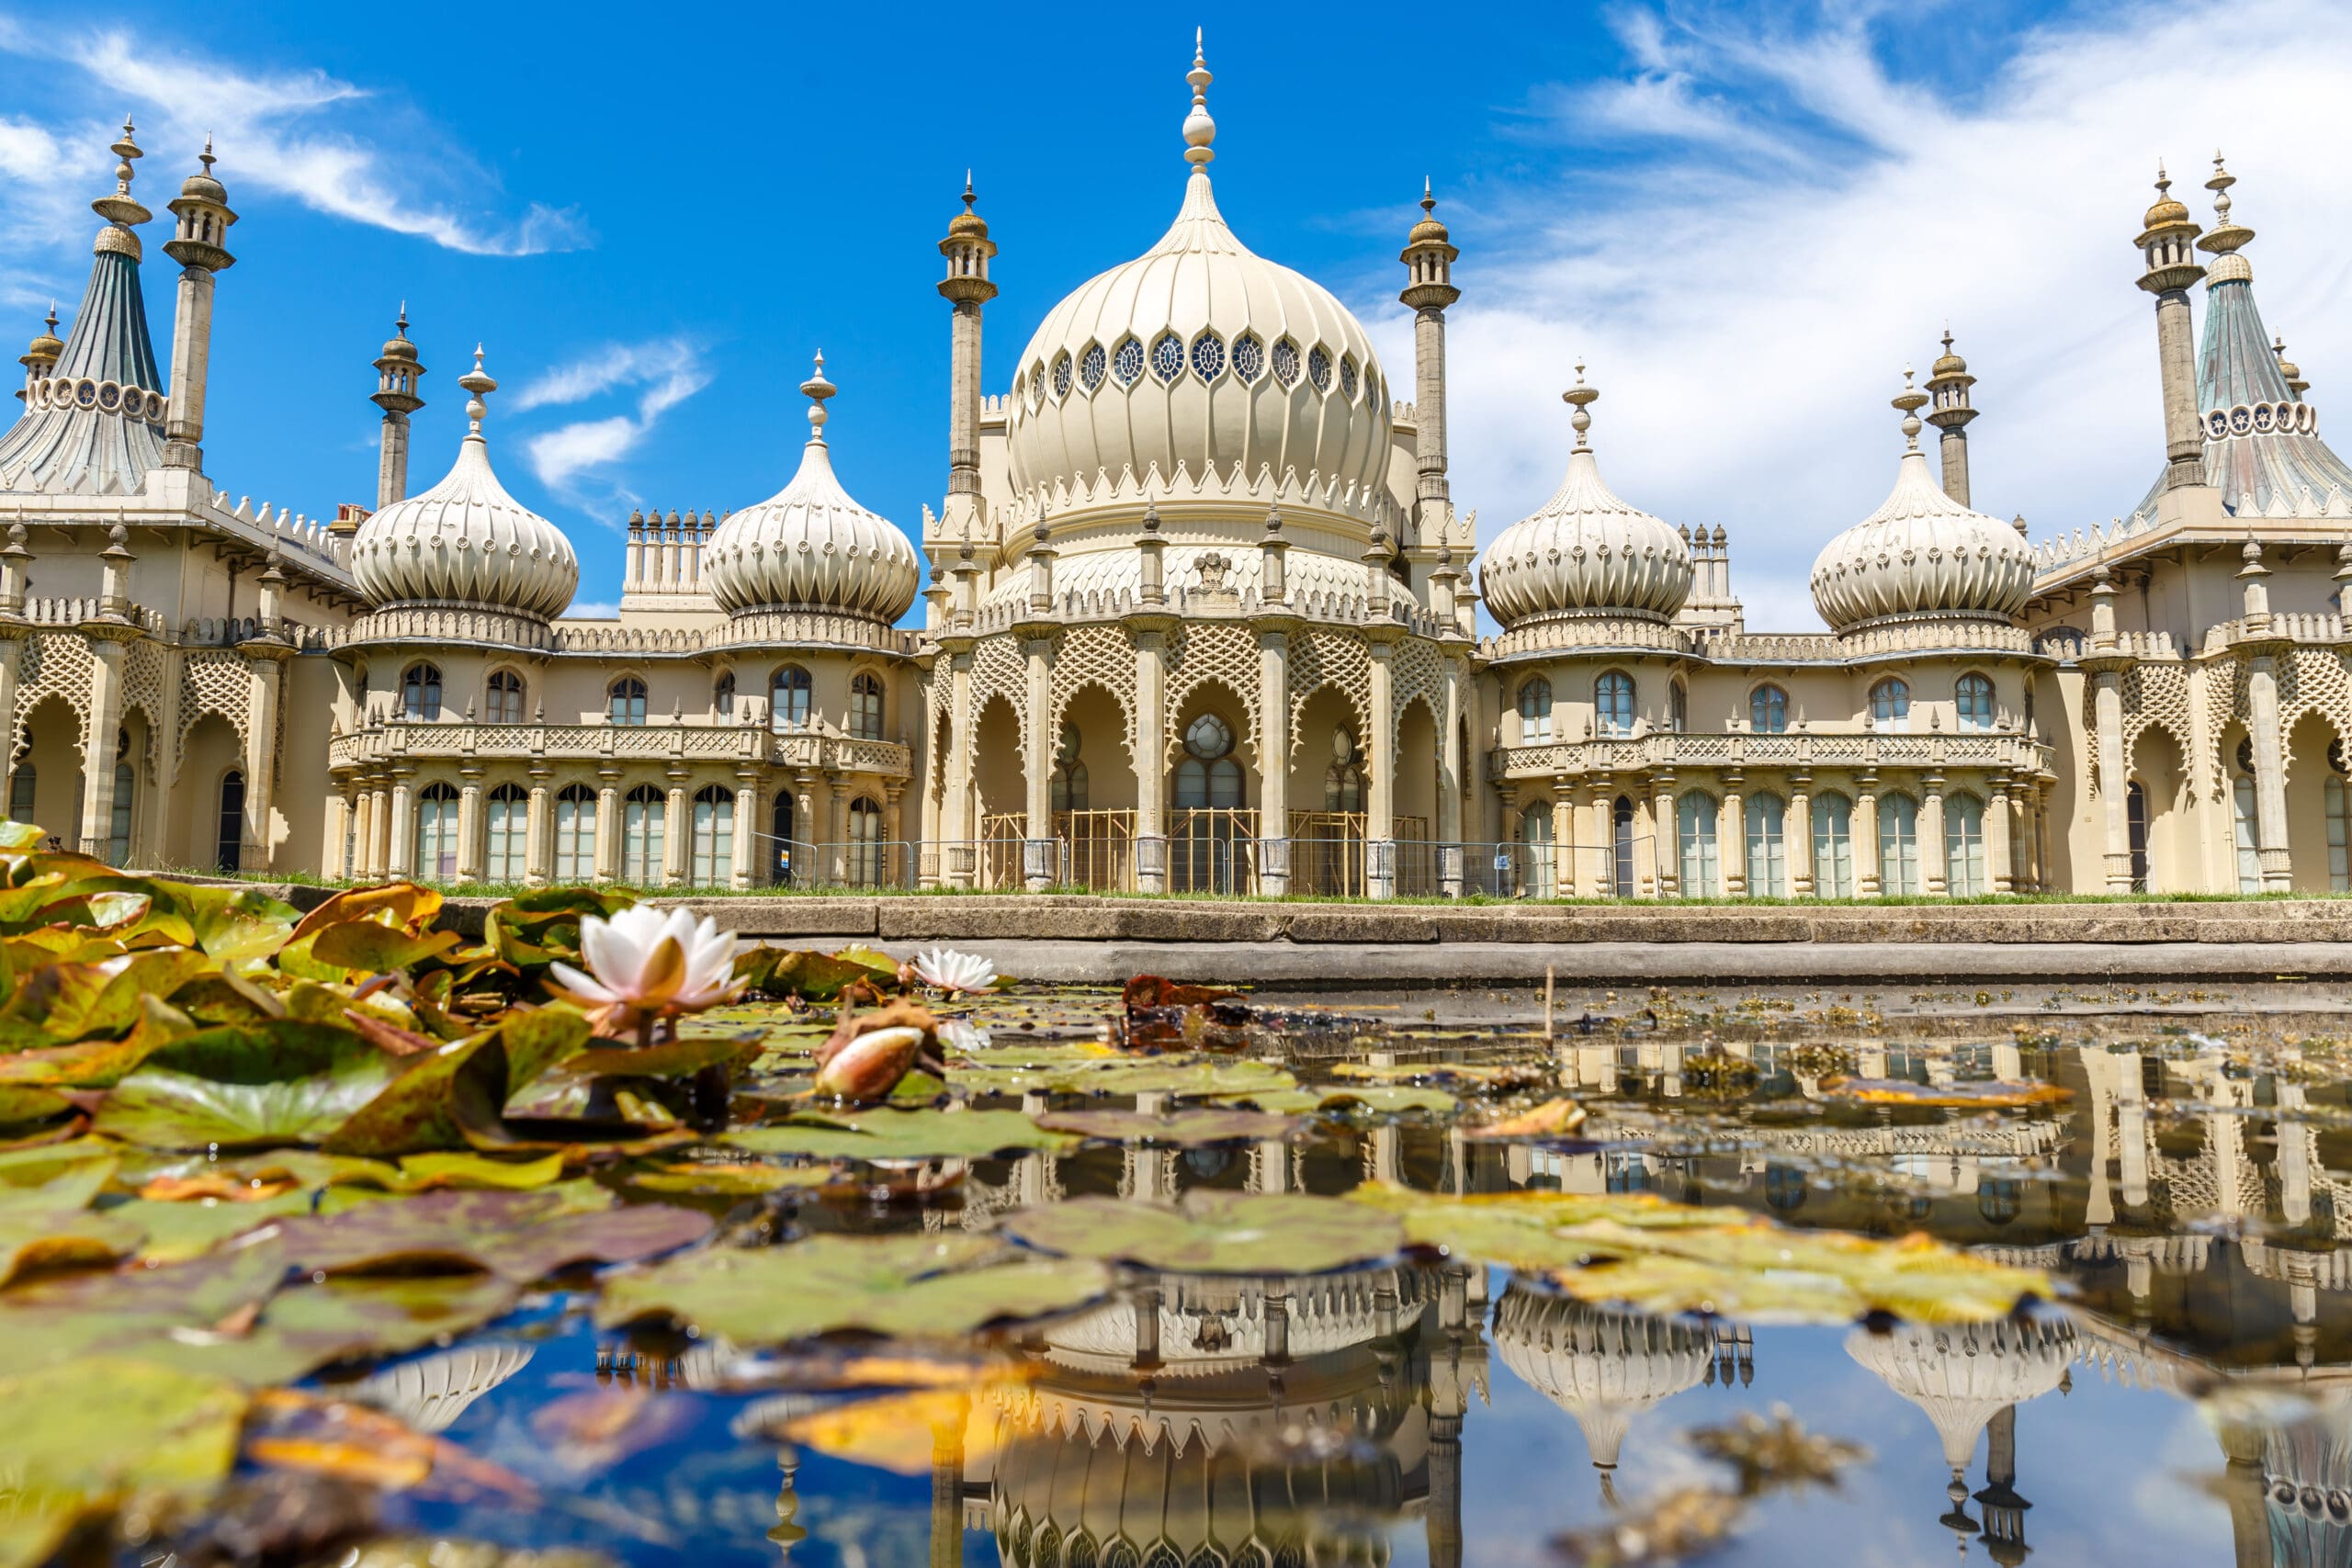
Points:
(1200, 1077)
(1381, 1098)
(520, 1237)
(277, 1082)
(888, 1134)
(676, 1059)
(1994, 1095)
(711, 1180)
(908, 1286)
(455, 1095)
(1183, 1129)
(49, 1225)
(1213, 1232)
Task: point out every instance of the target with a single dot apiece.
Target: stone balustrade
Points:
(1998, 751)
(401, 741)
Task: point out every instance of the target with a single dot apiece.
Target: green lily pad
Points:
(1200, 1077)
(1183, 1129)
(1533, 1232)
(278, 1082)
(814, 976)
(715, 1181)
(51, 1224)
(888, 1134)
(183, 1229)
(447, 1098)
(21, 1103)
(343, 1319)
(520, 1237)
(909, 1286)
(63, 1003)
(1378, 1097)
(676, 1059)
(159, 1437)
(1213, 1232)
(536, 929)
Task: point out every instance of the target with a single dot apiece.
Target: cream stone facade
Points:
(1198, 614)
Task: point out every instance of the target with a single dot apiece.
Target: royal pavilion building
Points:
(1198, 612)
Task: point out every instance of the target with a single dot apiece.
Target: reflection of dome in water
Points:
(1210, 1324)
(1603, 1367)
(2307, 1479)
(432, 1392)
(1962, 1376)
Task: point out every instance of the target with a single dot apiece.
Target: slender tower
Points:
(2167, 241)
(200, 242)
(40, 355)
(1428, 257)
(966, 288)
(1948, 385)
(398, 370)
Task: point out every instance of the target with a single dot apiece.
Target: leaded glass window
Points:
(1090, 367)
(1286, 361)
(1129, 365)
(1319, 369)
(1208, 356)
(1061, 376)
(1168, 358)
(1612, 702)
(1973, 697)
(1348, 379)
(1768, 711)
(1249, 356)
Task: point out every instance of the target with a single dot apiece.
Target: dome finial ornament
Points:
(1581, 398)
(1910, 400)
(2226, 237)
(1200, 131)
(816, 389)
(478, 382)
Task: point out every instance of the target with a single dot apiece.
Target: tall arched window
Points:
(643, 817)
(436, 832)
(505, 698)
(508, 832)
(1694, 837)
(789, 698)
(2136, 823)
(1343, 780)
(1542, 870)
(722, 697)
(575, 834)
(230, 838)
(1898, 843)
(2249, 836)
(1621, 847)
(625, 703)
(1965, 847)
(865, 705)
(864, 843)
(1613, 703)
(714, 856)
(22, 787)
(1973, 697)
(2339, 836)
(1534, 711)
(780, 845)
(1767, 710)
(1208, 778)
(421, 691)
(1678, 707)
(1768, 856)
(1069, 792)
(126, 782)
(1833, 847)
(1890, 705)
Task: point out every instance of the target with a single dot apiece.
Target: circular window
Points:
(1208, 355)
(1286, 363)
(1249, 356)
(1090, 367)
(1319, 369)
(1061, 376)
(110, 395)
(1129, 365)
(1347, 377)
(1208, 737)
(1168, 358)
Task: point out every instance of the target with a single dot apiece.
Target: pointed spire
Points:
(1200, 131)
(478, 382)
(816, 389)
(1581, 398)
(118, 208)
(2227, 236)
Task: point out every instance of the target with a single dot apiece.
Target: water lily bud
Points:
(870, 1066)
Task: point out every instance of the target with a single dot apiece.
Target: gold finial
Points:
(1200, 131)
(1910, 400)
(816, 389)
(1581, 398)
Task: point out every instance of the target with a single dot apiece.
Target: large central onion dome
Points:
(1603, 1367)
(466, 543)
(1584, 552)
(1203, 357)
(1922, 555)
(810, 546)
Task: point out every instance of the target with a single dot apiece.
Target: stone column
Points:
(1665, 847)
(2001, 869)
(2106, 707)
(1040, 856)
(747, 820)
(1273, 760)
(1565, 882)
(470, 827)
(1449, 785)
(677, 834)
(402, 862)
(807, 829)
(538, 830)
(1731, 839)
(608, 826)
(891, 867)
(267, 675)
(12, 658)
(1865, 835)
(959, 822)
(1931, 837)
(1597, 839)
(97, 745)
(2269, 776)
(363, 834)
(1380, 814)
(338, 820)
(1151, 756)
(1800, 835)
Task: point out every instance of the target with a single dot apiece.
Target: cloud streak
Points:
(665, 371)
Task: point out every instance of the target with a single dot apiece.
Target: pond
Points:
(2182, 1402)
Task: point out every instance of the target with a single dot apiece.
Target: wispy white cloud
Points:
(667, 371)
(1751, 267)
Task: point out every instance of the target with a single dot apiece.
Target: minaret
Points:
(966, 289)
(1428, 255)
(2168, 244)
(2288, 369)
(2005, 1508)
(1948, 385)
(200, 242)
(40, 355)
(398, 370)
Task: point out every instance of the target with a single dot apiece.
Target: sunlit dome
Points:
(1962, 1375)
(1602, 1368)
(466, 542)
(1201, 356)
(810, 546)
(1584, 552)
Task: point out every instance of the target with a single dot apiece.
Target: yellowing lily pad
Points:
(888, 1134)
(1184, 1129)
(1994, 1095)
(519, 1237)
(1213, 1232)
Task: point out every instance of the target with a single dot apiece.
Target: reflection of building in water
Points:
(1605, 1367)
(1240, 1421)
(430, 1393)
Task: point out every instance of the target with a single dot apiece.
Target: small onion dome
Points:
(1586, 552)
(1921, 553)
(1948, 363)
(968, 221)
(810, 546)
(397, 347)
(201, 185)
(2288, 370)
(1429, 230)
(47, 345)
(466, 541)
(2168, 208)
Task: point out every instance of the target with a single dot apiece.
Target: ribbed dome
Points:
(1586, 552)
(810, 546)
(1603, 1367)
(1962, 1376)
(466, 541)
(1199, 355)
(1922, 553)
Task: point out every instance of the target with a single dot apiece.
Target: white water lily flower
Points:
(945, 969)
(962, 1036)
(644, 963)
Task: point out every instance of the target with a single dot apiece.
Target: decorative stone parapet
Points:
(1870, 749)
(410, 742)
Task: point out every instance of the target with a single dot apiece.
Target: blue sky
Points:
(1746, 219)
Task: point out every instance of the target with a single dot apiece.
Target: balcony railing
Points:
(1877, 748)
(402, 740)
